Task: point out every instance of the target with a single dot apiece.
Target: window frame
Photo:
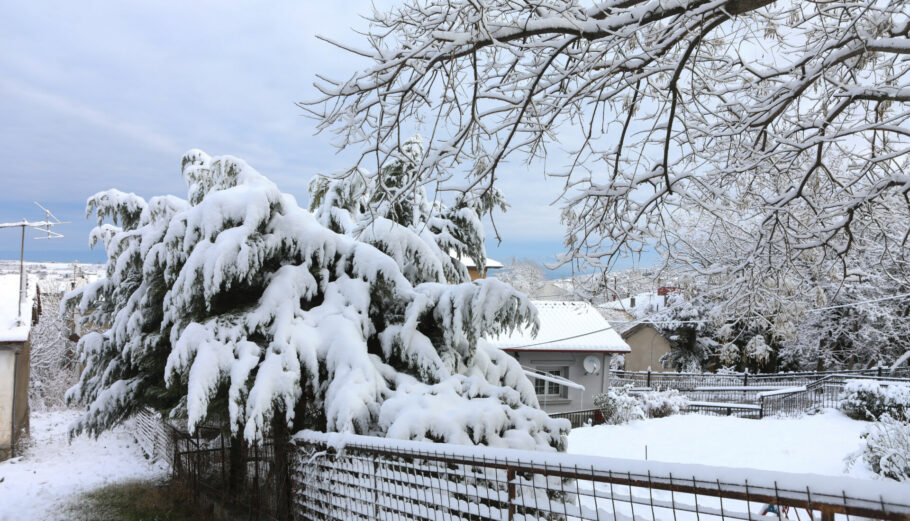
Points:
(561, 371)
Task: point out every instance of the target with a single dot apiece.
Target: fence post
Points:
(510, 477)
(879, 371)
(376, 488)
(649, 377)
(746, 379)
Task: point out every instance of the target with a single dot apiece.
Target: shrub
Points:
(870, 400)
(659, 404)
(887, 448)
(618, 406)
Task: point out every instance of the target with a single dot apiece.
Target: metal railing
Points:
(347, 477)
(821, 394)
(203, 463)
(741, 410)
(691, 381)
(582, 417)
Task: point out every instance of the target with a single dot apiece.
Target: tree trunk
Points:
(237, 464)
(280, 446)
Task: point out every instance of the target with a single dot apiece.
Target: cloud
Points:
(140, 134)
(106, 94)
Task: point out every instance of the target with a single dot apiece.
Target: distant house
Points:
(474, 271)
(569, 359)
(647, 345)
(15, 328)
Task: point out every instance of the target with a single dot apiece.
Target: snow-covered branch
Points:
(731, 110)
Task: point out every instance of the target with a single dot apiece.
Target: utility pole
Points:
(44, 226)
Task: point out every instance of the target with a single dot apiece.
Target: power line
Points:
(562, 339)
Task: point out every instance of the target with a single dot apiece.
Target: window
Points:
(548, 389)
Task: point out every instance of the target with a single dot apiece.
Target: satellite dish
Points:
(592, 364)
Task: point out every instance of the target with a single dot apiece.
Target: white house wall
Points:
(7, 379)
(577, 399)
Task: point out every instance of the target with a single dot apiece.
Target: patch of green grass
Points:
(137, 501)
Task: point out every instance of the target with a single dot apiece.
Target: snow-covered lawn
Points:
(53, 471)
(814, 444)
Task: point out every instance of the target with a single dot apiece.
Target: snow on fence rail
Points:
(334, 477)
(345, 477)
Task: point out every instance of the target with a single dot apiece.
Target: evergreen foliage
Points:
(238, 305)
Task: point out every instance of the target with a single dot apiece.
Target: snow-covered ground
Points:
(53, 471)
(816, 444)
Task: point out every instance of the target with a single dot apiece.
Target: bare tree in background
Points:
(524, 275)
(54, 367)
(731, 112)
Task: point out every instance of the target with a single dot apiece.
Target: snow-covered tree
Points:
(703, 336)
(526, 276)
(788, 117)
(392, 212)
(53, 353)
(238, 305)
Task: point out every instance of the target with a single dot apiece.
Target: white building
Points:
(14, 363)
(571, 351)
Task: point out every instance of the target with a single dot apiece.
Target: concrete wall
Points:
(7, 381)
(575, 399)
(13, 383)
(647, 347)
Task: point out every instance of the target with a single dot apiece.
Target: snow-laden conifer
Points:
(238, 305)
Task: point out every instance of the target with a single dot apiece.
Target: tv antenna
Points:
(44, 226)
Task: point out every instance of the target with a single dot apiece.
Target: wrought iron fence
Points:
(821, 394)
(595, 417)
(741, 410)
(692, 381)
(346, 477)
(582, 417)
(242, 480)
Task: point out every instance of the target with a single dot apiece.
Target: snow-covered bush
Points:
(886, 448)
(238, 305)
(660, 404)
(54, 367)
(618, 406)
(869, 400)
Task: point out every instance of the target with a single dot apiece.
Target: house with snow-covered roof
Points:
(473, 270)
(569, 359)
(647, 345)
(15, 327)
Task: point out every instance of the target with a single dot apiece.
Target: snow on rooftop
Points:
(565, 326)
(644, 302)
(469, 262)
(14, 328)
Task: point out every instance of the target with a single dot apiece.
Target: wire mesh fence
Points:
(339, 477)
(152, 435)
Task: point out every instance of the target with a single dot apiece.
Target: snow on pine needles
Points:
(53, 471)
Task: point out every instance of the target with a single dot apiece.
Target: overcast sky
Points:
(95, 95)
